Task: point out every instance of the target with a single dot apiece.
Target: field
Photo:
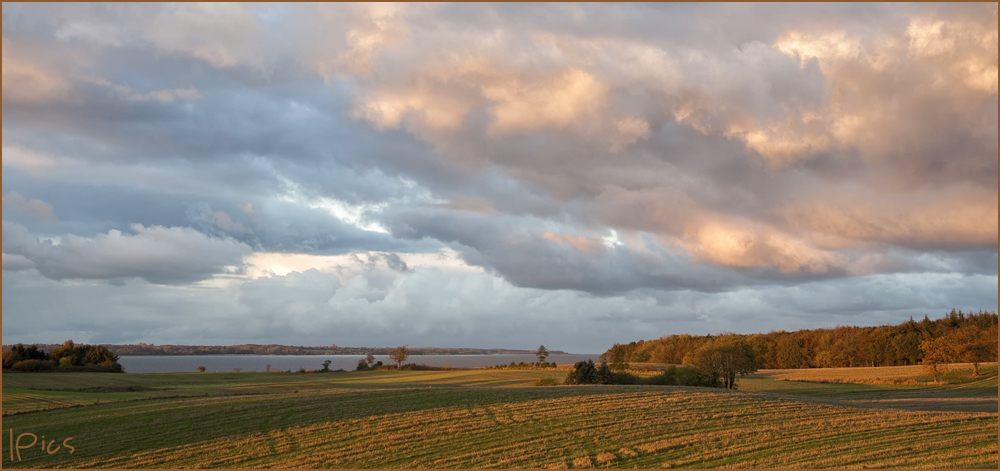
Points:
(497, 418)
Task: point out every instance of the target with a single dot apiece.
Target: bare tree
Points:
(399, 355)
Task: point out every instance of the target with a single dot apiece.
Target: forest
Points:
(956, 337)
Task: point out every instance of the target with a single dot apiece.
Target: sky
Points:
(493, 176)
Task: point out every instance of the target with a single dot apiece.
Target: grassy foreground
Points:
(492, 418)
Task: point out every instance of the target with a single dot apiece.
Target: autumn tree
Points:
(399, 355)
(98, 355)
(973, 345)
(723, 358)
(370, 360)
(937, 354)
(67, 350)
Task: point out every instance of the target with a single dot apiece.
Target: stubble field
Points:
(490, 418)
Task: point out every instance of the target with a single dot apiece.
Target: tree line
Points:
(66, 357)
(956, 337)
(145, 349)
(715, 362)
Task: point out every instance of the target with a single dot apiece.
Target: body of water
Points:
(247, 363)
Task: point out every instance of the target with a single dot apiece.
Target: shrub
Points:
(603, 374)
(362, 366)
(546, 382)
(674, 376)
(33, 366)
(625, 378)
(201, 369)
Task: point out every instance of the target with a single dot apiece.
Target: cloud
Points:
(222, 35)
(26, 81)
(736, 245)
(621, 156)
(15, 262)
(163, 96)
(433, 307)
(157, 254)
(37, 208)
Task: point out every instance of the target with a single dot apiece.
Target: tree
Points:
(604, 374)
(399, 355)
(937, 354)
(542, 353)
(10, 357)
(723, 358)
(98, 355)
(583, 372)
(370, 359)
(973, 345)
(201, 369)
(267, 368)
(67, 349)
(326, 365)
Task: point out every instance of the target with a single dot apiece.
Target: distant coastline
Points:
(144, 349)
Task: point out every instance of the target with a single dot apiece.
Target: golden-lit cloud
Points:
(752, 245)
(951, 219)
(581, 243)
(26, 81)
(557, 101)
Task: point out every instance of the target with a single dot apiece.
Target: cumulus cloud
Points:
(157, 254)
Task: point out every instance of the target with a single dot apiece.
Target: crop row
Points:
(645, 429)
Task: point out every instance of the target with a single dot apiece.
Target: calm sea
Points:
(225, 363)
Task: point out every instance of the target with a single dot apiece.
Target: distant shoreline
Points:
(143, 349)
